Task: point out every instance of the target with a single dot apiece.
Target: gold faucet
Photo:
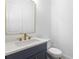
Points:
(24, 37)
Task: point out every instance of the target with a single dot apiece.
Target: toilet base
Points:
(50, 57)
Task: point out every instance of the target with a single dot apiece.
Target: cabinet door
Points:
(41, 55)
(32, 57)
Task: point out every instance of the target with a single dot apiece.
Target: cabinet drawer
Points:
(24, 54)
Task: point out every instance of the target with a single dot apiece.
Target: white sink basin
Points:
(26, 42)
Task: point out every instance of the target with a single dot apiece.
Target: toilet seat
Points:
(54, 52)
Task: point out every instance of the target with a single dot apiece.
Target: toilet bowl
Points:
(55, 53)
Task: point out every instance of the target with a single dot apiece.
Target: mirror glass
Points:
(20, 16)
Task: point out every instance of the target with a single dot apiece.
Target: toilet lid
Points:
(55, 51)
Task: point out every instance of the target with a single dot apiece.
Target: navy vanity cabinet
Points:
(36, 52)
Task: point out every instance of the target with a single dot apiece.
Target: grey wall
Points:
(62, 25)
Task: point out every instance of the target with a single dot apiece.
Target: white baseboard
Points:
(67, 57)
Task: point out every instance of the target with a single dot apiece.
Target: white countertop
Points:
(16, 46)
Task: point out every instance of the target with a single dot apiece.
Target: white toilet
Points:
(55, 53)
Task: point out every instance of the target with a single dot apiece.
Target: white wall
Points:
(62, 25)
(58, 23)
(59, 18)
(43, 16)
